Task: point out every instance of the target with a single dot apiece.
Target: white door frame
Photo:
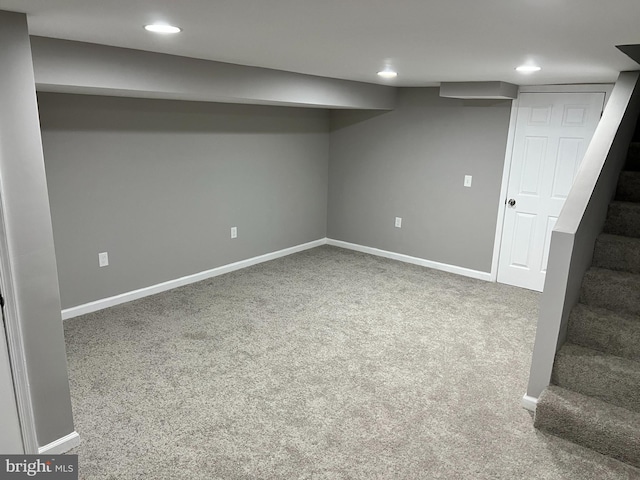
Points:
(508, 158)
(17, 357)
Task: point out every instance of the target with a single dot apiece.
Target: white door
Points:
(552, 133)
(10, 436)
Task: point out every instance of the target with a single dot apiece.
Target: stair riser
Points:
(617, 255)
(610, 382)
(623, 219)
(633, 157)
(596, 402)
(615, 296)
(628, 187)
(619, 441)
(610, 333)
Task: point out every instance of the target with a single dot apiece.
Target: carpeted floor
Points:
(327, 364)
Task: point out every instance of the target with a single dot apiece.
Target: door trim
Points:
(17, 357)
(605, 88)
(506, 171)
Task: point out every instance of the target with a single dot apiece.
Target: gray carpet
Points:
(590, 422)
(327, 364)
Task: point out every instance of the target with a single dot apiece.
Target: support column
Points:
(27, 256)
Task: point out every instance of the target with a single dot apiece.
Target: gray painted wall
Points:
(34, 298)
(158, 183)
(76, 67)
(411, 163)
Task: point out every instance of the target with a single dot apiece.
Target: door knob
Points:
(512, 202)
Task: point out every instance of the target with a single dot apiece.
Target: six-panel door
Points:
(553, 131)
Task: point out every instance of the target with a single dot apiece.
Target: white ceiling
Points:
(426, 41)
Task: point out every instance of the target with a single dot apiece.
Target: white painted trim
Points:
(467, 272)
(607, 88)
(506, 171)
(179, 282)
(15, 343)
(62, 445)
(530, 403)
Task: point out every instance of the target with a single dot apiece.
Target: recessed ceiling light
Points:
(159, 28)
(388, 74)
(528, 68)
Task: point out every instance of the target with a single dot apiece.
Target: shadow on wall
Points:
(483, 103)
(98, 113)
(347, 118)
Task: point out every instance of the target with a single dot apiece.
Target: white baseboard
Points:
(467, 272)
(197, 277)
(530, 403)
(62, 445)
(179, 282)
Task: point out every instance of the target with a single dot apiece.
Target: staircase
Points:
(594, 396)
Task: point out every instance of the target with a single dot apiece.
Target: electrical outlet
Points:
(467, 180)
(398, 222)
(234, 232)
(103, 259)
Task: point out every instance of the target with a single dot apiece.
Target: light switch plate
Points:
(467, 180)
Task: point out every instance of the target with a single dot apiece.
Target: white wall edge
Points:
(467, 272)
(179, 282)
(62, 445)
(530, 403)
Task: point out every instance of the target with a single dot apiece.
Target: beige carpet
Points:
(327, 364)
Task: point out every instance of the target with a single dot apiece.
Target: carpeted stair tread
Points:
(616, 252)
(633, 157)
(612, 379)
(616, 291)
(623, 218)
(606, 331)
(628, 189)
(587, 421)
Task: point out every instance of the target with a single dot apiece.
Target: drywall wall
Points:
(411, 163)
(158, 184)
(76, 67)
(581, 221)
(33, 300)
